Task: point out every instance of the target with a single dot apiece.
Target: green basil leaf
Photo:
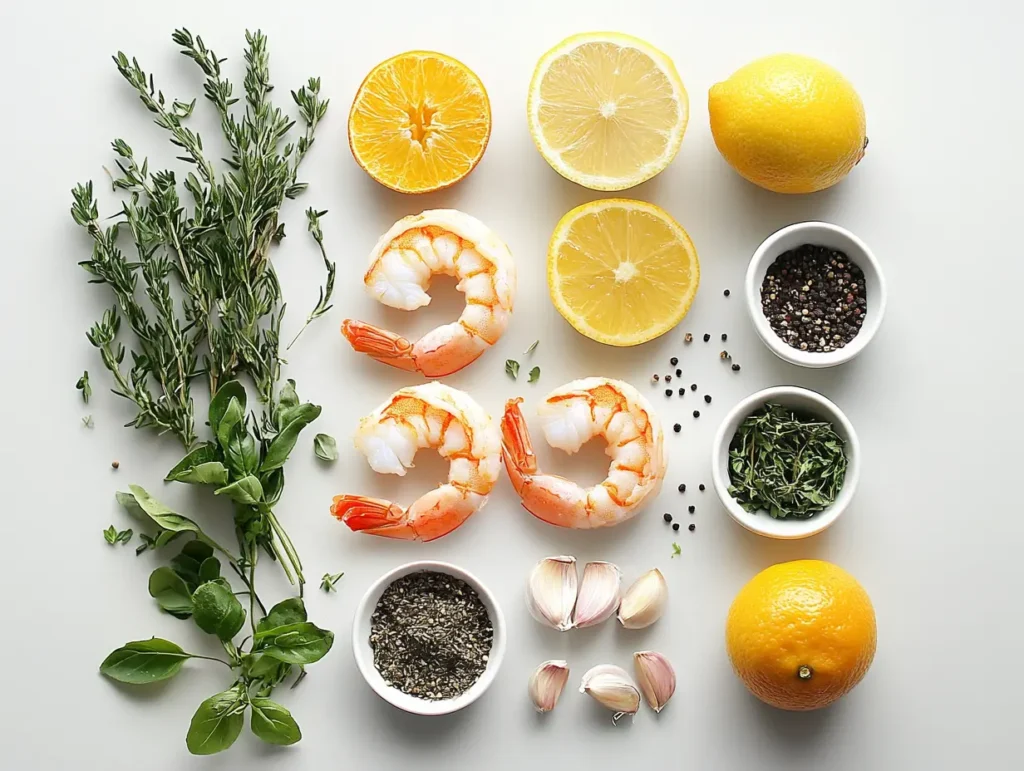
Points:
(241, 454)
(170, 592)
(144, 661)
(204, 453)
(273, 485)
(233, 421)
(164, 537)
(512, 368)
(163, 516)
(209, 570)
(286, 612)
(534, 375)
(217, 611)
(246, 491)
(219, 403)
(217, 722)
(197, 550)
(325, 447)
(268, 669)
(187, 569)
(302, 643)
(287, 398)
(211, 473)
(280, 448)
(129, 504)
(273, 723)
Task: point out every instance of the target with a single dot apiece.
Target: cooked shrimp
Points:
(401, 266)
(431, 415)
(570, 417)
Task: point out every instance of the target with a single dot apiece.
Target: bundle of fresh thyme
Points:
(786, 464)
(203, 301)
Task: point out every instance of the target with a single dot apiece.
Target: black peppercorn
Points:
(679, 373)
(724, 337)
(707, 398)
(675, 526)
(668, 517)
(691, 509)
(673, 361)
(696, 413)
(668, 378)
(701, 487)
(707, 337)
(677, 428)
(735, 367)
(693, 386)
(682, 488)
(691, 528)
(668, 392)
(681, 390)
(726, 293)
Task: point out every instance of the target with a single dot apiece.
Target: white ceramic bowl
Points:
(819, 234)
(799, 400)
(364, 654)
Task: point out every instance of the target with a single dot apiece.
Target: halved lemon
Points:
(419, 122)
(607, 110)
(622, 272)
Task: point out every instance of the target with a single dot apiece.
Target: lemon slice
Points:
(622, 272)
(607, 110)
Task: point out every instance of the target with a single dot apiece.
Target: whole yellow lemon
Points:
(801, 634)
(788, 123)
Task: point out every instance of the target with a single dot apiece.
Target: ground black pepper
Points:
(814, 298)
(431, 635)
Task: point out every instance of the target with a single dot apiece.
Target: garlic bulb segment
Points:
(611, 687)
(551, 592)
(546, 684)
(599, 594)
(656, 678)
(644, 602)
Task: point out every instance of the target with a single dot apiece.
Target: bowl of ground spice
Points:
(816, 294)
(785, 462)
(428, 637)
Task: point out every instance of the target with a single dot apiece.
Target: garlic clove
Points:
(551, 592)
(656, 677)
(599, 594)
(546, 684)
(644, 602)
(610, 686)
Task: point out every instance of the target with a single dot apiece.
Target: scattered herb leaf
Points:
(110, 534)
(512, 368)
(83, 386)
(787, 464)
(532, 348)
(329, 580)
(676, 551)
(325, 447)
(87, 421)
(534, 375)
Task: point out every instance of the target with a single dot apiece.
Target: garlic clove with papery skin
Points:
(644, 602)
(546, 684)
(600, 590)
(610, 686)
(656, 677)
(551, 592)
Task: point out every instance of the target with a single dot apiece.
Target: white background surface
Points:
(934, 532)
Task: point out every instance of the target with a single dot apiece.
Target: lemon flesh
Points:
(622, 272)
(606, 110)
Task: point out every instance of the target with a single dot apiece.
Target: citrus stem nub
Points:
(804, 672)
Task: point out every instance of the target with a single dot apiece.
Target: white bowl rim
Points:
(864, 258)
(364, 656)
(759, 522)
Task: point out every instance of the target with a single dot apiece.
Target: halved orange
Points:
(419, 122)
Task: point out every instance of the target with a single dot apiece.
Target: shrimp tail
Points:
(380, 344)
(373, 516)
(516, 446)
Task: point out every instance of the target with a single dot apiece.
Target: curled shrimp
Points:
(401, 266)
(431, 415)
(570, 417)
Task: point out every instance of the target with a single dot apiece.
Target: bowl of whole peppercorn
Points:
(428, 637)
(816, 294)
(785, 462)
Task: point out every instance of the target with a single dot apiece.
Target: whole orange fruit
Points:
(801, 634)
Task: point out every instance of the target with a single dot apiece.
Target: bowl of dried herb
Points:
(428, 637)
(785, 462)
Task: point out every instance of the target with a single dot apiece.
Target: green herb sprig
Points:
(201, 300)
(786, 464)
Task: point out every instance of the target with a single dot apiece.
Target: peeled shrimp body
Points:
(571, 416)
(401, 266)
(432, 415)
